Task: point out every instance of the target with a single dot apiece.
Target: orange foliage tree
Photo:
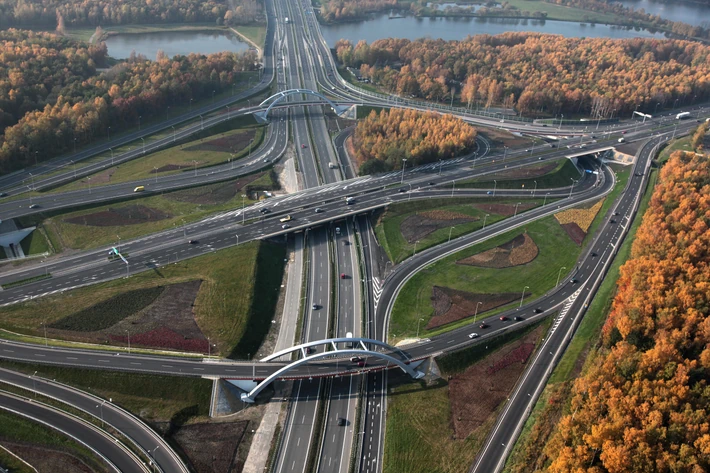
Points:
(644, 405)
(383, 140)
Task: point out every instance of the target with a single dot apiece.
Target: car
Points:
(266, 160)
(473, 335)
(343, 276)
(431, 184)
(264, 210)
(544, 124)
(638, 174)
(34, 206)
(314, 306)
(303, 146)
(3, 194)
(346, 242)
(527, 150)
(310, 350)
(503, 318)
(594, 255)
(539, 158)
(483, 325)
(192, 242)
(573, 281)
(361, 363)
(355, 359)
(318, 210)
(285, 226)
(403, 189)
(615, 213)
(537, 310)
(518, 318)
(623, 132)
(341, 421)
(612, 220)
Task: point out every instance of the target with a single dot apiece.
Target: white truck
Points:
(682, 115)
(332, 165)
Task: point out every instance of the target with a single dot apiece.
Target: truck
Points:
(682, 115)
(350, 335)
(332, 165)
(621, 140)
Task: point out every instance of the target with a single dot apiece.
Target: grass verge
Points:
(26, 281)
(234, 306)
(558, 177)
(155, 398)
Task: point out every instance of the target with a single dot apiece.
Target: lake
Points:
(172, 43)
(458, 28)
(691, 13)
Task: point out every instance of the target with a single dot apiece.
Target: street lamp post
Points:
(228, 113)
(101, 410)
(656, 109)
(505, 152)
(440, 163)
(250, 142)
(561, 117)
(155, 168)
(418, 322)
(495, 185)
(213, 96)
(44, 324)
(243, 215)
(34, 383)
(410, 191)
(139, 122)
(404, 164)
(36, 152)
(167, 113)
(516, 209)
(143, 140)
(415, 247)
(544, 201)
(128, 333)
(571, 188)
(111, 149)
(190, 107)
(450, 230)
(174, 134)
(202, 123)
(475, 313)
(559, 273)
(485, 217)
(108, 133)
(533, 194)
(522, 296)
(195, 163)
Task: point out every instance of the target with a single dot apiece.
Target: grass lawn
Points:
(178, 207)
(559, 12)
(35, 243)
(419, 424)
(151, 397)
(234, 306)
(15, 428)
(556, 249)
(216, 146)
(388, 228)
(559, 177)
(11, 463)
(256, 33)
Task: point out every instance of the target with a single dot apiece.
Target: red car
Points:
(503, 318)
(303, 146)
(342, 276)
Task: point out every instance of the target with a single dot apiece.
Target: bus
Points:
(682, 115)
(139, 189)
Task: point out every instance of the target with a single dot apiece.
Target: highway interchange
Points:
(305, 61)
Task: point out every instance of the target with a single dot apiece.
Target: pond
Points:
(691, 13)
(458, 28)
(173, 43)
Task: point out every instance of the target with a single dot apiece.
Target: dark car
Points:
(574, 281)
(612, 221)
(192, 242)
(264, 210)
(3, 194)
(538, 310)
(403, 189)
(594, 255)
(483, 325)
(310, 350)
(431, 184)
(518, 318)
(341, 421)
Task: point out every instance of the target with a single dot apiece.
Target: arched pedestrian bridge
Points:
(336, 348)
(278, 97)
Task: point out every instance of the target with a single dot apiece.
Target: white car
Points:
(473, 335)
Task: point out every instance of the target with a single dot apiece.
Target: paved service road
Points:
(114, 454)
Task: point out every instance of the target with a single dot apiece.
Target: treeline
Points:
(539, 74)
(631, 16)
(643, 404)
(339, 10)
(45, 13)
(61, 109)
(35, 67)
(383, 140)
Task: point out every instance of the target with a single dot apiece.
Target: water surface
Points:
(172, 43)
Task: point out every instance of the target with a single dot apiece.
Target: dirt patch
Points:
(171, 167)
(47, 460)
(504, 138)
(212, 447)
(516, 252)
(228, 144)
(419, 225)
(103, 177)
(527, 171)
(130, 215)
(213, 194)
(503, 209)
(477, 392)
(169, 322)
(574, 232)
(451, 305)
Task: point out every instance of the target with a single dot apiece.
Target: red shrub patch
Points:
(163, 337)
(575, 233)
(130, 215)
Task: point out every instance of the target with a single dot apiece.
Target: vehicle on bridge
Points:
(287, 218)
(682, 115)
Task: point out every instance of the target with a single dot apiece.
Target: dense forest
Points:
(52, 98)
(47, 13)
(539, 74)
(383, 140)
(643, 404)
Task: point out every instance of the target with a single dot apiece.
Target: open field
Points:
(233, 307)
(45, 448)
(437, 427)
(255, 33)
(553, 401)
(559, 12)
(456, 216)
(214, 146)
(559, 176)
(94, 226)
(414, 300)
(34, 244)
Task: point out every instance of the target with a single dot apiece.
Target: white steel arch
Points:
(279, 96)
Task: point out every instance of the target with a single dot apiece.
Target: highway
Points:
(107, 448)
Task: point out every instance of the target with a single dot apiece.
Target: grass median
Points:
(548, 175)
